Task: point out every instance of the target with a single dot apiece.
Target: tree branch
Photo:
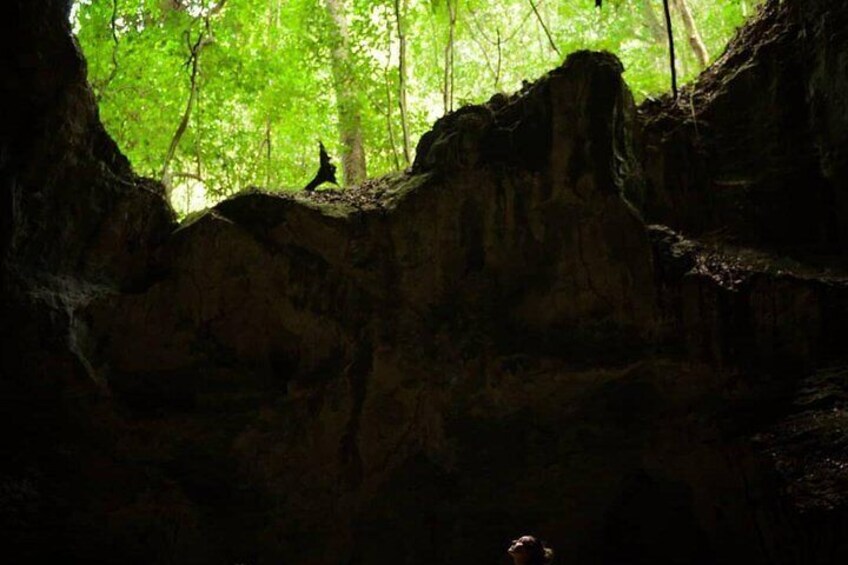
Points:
(694, 36)
(185, 175)
(114, 71)
(192, 61)
(544, 27)
(484, 53)
(217, 8)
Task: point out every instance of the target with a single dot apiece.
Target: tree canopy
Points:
(212, 96)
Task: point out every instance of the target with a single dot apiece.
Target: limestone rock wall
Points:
(756, 147)
(418, 369)
(71, 204)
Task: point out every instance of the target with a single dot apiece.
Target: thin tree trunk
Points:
(194, 62)
(267, 152)
(100, 87)
(390, 129)
(198, 158)
(270, 45)
(653, 22)
(498, 69)
(672, 64)
(347, 100)
(404, 120)
(479, 43)
(692, 33)
(447, 91)
(544, 27)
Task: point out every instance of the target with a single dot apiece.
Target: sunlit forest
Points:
(211, 96)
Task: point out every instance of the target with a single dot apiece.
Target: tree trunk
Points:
(404, 120)
(100, 87)
(670, 31)
(447, 92)
(347, 99)
(267, 143)
(390, 129)
(653, 22)
(271, 33)
(692, 33)
(475, 24)
(545, 28)
(194, 61)
(387, 79)
(500, 59)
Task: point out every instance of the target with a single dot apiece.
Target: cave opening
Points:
(211, 97)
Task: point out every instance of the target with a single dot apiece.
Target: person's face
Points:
(520, 549)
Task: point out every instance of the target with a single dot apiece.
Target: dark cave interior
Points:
(619, 327)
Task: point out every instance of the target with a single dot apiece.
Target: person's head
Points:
(527, 550)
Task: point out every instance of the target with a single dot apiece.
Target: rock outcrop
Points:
(723, 157)
(418, 369)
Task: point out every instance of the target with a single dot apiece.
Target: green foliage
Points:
(265, 89)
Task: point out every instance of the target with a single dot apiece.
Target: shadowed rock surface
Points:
(723, 158)
(418, 369)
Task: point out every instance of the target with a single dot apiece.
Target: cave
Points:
(620, 327)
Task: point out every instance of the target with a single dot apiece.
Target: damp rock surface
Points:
(600, 323)
(755, 147)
